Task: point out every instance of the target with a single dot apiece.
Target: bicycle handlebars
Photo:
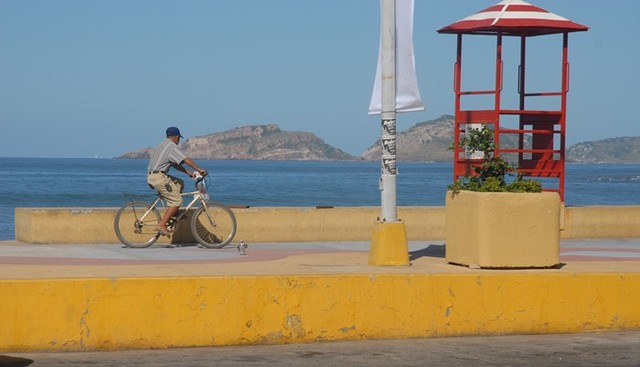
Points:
(198, 177)
(200, 183)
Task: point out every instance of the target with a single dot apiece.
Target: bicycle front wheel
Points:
(213, 225)
(135, 225)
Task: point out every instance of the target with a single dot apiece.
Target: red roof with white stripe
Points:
(514, 17)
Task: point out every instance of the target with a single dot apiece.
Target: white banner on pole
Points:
(407, 93)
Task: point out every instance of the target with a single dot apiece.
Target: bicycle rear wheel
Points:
(213, 225)
(135, 225)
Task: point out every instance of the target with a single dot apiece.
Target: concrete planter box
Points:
(502, 230)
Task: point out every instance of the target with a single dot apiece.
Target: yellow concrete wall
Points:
(331, 224)
(88, 314)
(65, 225)
(602, 221)
(264, 224)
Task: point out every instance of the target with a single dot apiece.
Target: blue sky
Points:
(92, 78)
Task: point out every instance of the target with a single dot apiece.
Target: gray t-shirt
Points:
(165, 153)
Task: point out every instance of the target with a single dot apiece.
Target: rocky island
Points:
(260, 142)
(427, 141)
(613, 150)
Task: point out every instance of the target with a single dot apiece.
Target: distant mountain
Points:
(138, 154)
(427, 141)
(613, 150)
(423, 142)
(260, 142)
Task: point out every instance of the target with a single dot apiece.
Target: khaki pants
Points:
(168, 186)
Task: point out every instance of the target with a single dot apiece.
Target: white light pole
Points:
(389, 210)
(389, 243)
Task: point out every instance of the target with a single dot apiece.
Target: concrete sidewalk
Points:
(106, 296)
(29, 261)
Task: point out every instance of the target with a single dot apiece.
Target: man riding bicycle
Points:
(166, 155)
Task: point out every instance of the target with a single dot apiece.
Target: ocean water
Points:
(60, 182)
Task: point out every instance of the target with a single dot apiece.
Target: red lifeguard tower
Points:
(535, 136)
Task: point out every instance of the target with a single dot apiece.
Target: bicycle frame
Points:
(198, 196)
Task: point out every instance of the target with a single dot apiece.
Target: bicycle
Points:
(213, 224)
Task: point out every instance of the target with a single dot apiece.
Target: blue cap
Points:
(173, 131)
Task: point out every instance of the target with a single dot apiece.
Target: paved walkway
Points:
(30, 261)
(570, 350)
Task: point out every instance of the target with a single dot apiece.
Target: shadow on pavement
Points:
(429, 251)
(8, 361)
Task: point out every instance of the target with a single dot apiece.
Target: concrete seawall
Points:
(289, 224)
(76, 291)
(160, 312)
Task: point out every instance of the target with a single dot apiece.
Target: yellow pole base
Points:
(389, 244)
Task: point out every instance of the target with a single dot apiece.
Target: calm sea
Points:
(56, 182)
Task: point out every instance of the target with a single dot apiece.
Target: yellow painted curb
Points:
(90, 314)
(389, 244)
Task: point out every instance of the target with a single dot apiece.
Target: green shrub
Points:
(491, 174)
(523, 185)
